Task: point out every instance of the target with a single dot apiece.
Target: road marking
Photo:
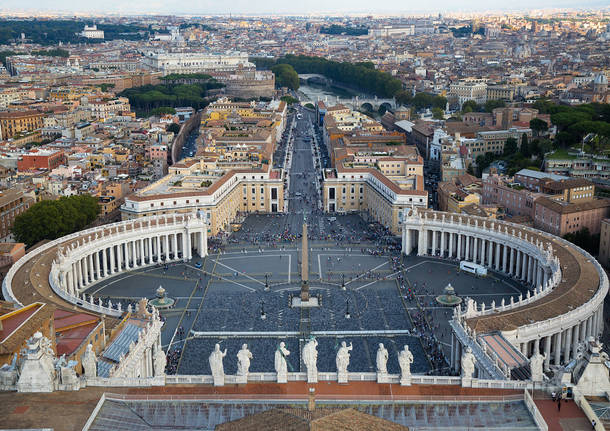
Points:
(239, 272)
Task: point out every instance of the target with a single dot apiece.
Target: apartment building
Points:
(463, 91)
(559, 217)
(12, 203)
(367, 190)
(13, 123)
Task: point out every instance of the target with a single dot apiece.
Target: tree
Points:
(175, 128)
(162, 110)
(469, 106)
(490, 105)
(438, 113)
(286, 76)
(538, 126)
(510, 146)
(289, 100)
(403, 97)
(53, 219)
(525, 148)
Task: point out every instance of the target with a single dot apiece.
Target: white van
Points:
(473, 268)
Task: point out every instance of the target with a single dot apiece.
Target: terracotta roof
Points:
(322, 419)
(21, 324)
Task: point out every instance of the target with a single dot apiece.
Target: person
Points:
(343, 355)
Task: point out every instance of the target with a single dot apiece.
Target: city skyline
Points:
(271, 7)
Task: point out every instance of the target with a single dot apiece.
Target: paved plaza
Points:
(368, 292)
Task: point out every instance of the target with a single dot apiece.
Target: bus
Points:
(473, 268)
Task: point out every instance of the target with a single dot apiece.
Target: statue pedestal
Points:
(219, 380)
(405, 380)
(241, 380)
(282, 378)
(383, 378)
(312, 377)
(342, 377)
(466, 382)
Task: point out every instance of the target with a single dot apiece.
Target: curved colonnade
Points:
(84, 258)
(567, 286)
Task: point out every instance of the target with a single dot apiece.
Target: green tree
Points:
(286, 76)
(289, 100)
(510, 146)
(525, 147)
(490, 105)
(438, 113)
(162, 110)
(470, 106)
(538, 126)
(175, 128)
(403, 97)
(53, 219)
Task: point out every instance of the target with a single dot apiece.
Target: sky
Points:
(194, 7)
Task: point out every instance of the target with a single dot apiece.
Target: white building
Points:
(182, 62)
(468, 90)
(92, 32)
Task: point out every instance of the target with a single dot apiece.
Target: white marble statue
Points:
(405, 359)
(243, 361)
(280, 363)
(160, 362)
(218, 372)
(89, 362)
(310, 358)
(342, 361)
(536, 366)
(468, 363)
(382, 359)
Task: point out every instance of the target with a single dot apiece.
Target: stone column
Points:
(408, 241)
(459, 246)
(558, 348)
(512, 261)
(98, 269)
(475, 249)
(505, 258)
(189, 252)
(203, 247)
(575, 339)
(79, 273)
(443, 244)
(175, 245)
(588, 327)
(467, 239)
(545, 276)
(91, 267)
(483, 250)
(518, 264)
(69, 281)
(434, 243)
(184, 246)
(111, 268)
(450, 255)
(104, 263)
(568, 347)
(547, 351)
(583, 331)
(498, 256)
(490, 255)
(142, 253)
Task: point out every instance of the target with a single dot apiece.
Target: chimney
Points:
(311, 404)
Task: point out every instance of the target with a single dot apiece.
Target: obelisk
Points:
(304, 266)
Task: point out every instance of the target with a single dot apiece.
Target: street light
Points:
(266, 281)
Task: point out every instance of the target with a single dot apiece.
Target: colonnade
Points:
(524, 254)
(493, 253)
(127, 246)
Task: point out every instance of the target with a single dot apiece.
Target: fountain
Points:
(161, 301)
(449, 298)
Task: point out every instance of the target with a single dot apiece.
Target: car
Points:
(198, 264)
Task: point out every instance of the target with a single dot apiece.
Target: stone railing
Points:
(489, 361)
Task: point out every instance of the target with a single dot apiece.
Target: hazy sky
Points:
(286, 6)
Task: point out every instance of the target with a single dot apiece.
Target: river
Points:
(314, 92)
